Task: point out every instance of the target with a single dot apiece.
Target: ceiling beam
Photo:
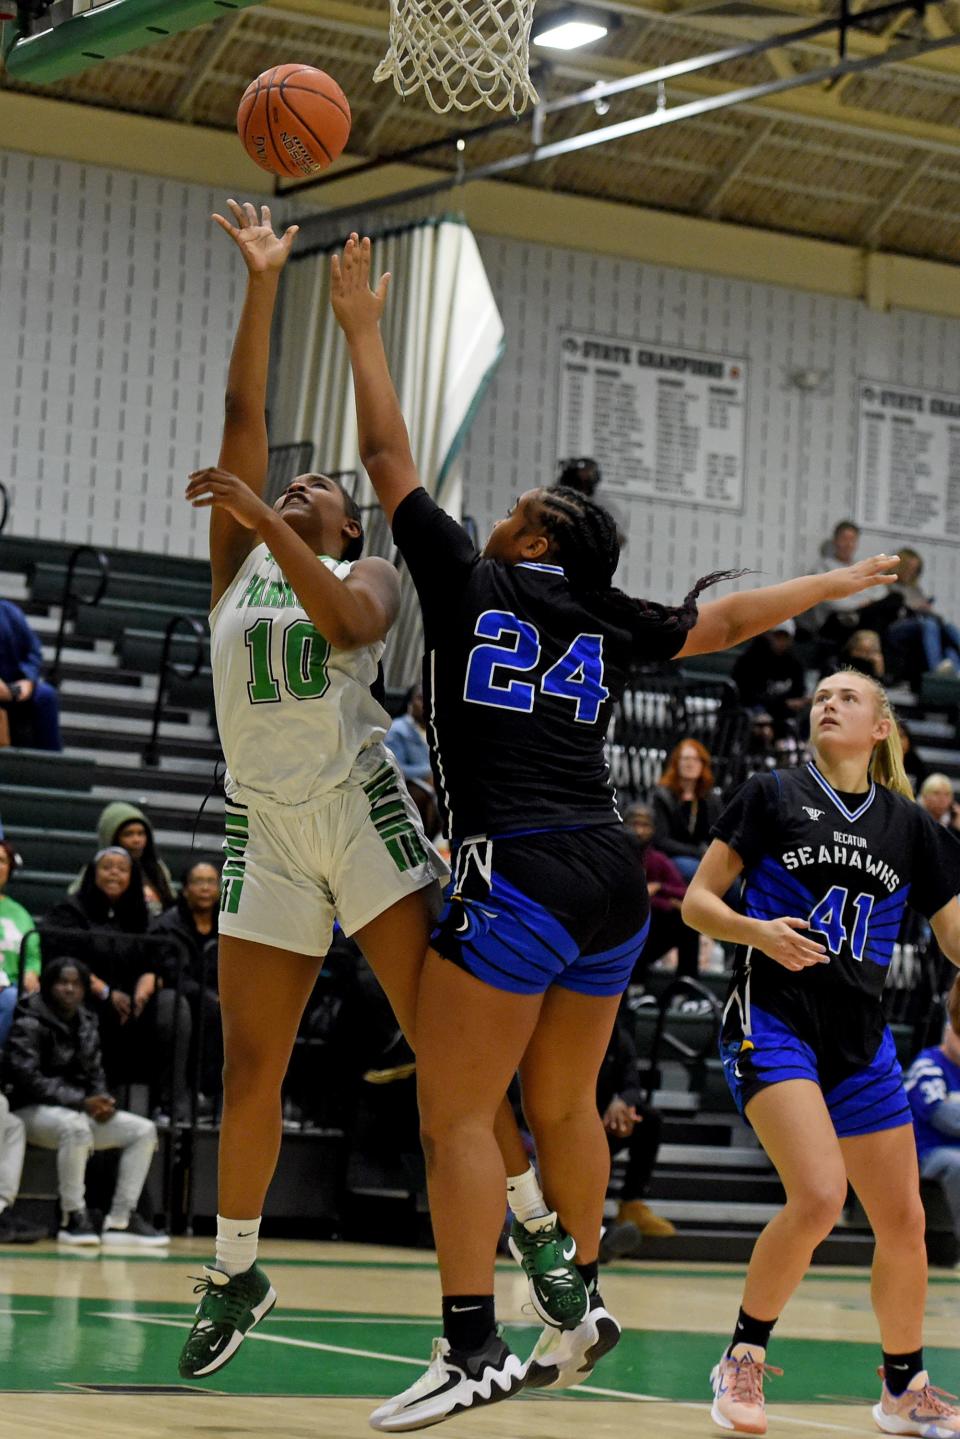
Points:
(216, 40)
(711, 202)
(895, 196)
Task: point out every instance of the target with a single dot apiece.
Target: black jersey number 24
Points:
(513, 647)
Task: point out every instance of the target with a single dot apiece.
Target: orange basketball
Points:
(293, 120)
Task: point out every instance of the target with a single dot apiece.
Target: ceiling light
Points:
(571, 27)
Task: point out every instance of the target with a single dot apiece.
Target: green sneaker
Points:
(228, 1310)
(545, 1254)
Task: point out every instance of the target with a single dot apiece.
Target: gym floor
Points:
(89, 1344)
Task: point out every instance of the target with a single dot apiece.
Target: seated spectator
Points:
(407, 739)
(59, 1091)
(191, 928)
(627, 1120)
(915, 768)
(685, 806)
(863, 652)
(770, 677)
(31, 705)
(144, 1029)
(125, 825)
(870, 609)
(921, 624)
(13, 1145)
(15, 925)
(666, 887)
(937, 797)
(933, 1088)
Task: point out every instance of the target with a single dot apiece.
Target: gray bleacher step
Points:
(713, 1156)
(940, 759)
(13, 585)
(727, 1189)
(86, 657)
(91, 719)
(734, 1246)
(20, 552)
(186, 774)
(39, 807)
(121, 707)
(106, 686)
(38, 766)
(110, 618)
(46, 586)
(86, 738)
(715, 1213)
(38, 891)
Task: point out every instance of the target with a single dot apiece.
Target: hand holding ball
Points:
(293, 120)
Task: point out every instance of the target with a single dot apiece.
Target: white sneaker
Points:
(452, 1383)
(564, 1357)
(136, 1231)
(78, 1228)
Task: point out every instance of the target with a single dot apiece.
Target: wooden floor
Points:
(88, 1347)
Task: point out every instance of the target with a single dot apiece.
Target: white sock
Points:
(525, 1197)
(236, 1244)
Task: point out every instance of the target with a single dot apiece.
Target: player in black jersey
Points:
(831, 855)
(528, 646)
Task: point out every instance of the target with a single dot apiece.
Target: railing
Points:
(659, 710)
(284, 463)
(4, 506)
(70, 599)
(176, 669)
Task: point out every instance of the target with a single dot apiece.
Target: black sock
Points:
(752, 1331)
(589, 1274)
(468, 1320)
(899, 1369)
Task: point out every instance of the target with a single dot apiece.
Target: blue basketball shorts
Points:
(565, 907)
(862, 1099)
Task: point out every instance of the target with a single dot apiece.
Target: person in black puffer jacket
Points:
(58, 1090)
(144, 1029)
(190, 929)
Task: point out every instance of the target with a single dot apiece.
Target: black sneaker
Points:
(78, 1228)
(138, 1231)
(454, 1381)
(14, 1230)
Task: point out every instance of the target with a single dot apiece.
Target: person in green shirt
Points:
(15, 923)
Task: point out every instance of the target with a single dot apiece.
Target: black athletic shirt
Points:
(519, 679)
(848, 863)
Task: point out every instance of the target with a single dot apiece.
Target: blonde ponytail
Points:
(886, 762)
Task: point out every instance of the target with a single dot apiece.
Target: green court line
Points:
(109, 1345)
(504, 1266)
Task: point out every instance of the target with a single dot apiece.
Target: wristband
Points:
(106, 994)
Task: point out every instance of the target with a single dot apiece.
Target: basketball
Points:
(293, 120)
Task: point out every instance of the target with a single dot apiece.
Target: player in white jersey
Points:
(319, 826)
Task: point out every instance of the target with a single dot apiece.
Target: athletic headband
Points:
(111, 849)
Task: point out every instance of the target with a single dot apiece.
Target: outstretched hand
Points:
(219, 488)
(262, 250)
(878, 570)
(355, 305)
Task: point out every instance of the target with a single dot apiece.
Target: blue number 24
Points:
(577, 675)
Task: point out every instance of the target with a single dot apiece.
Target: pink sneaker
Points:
(920, 1409)
(738, 1392)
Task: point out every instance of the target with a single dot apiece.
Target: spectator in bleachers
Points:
(123, 824)
(407, 739)
(937, 797)
(870, 609)
(921, 624)
(933, 1088)
(771, 678)
(32, 706)
(584, 475)
(666, 887)
(13, 1144)
(914, 766)
(191, 928)
(864, 652)
(59, 1091)
(15, 927)
(627, 1120)
(144, 1028)
(685, 806)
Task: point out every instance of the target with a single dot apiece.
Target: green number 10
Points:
(305, 654)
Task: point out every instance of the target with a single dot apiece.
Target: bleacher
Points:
(712, 1181)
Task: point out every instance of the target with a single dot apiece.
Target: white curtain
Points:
(443, 336)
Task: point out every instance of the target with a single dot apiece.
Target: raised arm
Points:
(723, 623)
(244, 448)
(705, 909)
(382, 433)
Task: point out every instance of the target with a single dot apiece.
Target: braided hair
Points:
(583, 537)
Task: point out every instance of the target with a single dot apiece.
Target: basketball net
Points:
(461, 53)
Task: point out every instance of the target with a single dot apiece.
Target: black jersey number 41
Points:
(514, 648)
